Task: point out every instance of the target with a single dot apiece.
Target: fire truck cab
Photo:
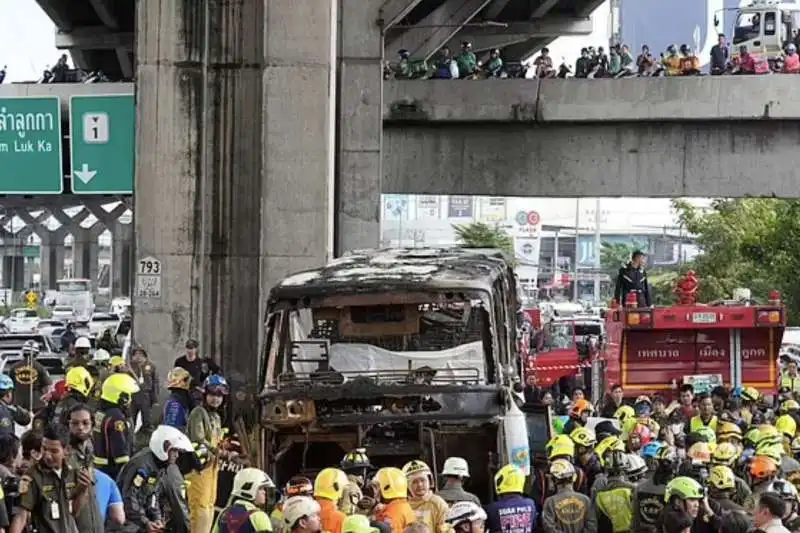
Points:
(654, 350)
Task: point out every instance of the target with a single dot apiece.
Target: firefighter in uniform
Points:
(249, 497)
(567, 511)
(100, 369)
(112, 441)
(79, 384)
(614, 502)
(204, 427)
(140, 479)
(356, 465)
(179, 402)
(144, 400)
(10, 413)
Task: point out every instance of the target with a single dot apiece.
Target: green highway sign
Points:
(102, 133)
(30, 145)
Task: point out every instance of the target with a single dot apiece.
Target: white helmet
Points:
(455, 466)
(247, 482)
(166, 438)
(101, 355)
(464, 512)
(297, 507)
(634, 465)
(83, 342)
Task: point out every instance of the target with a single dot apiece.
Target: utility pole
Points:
(577, 248)
(597, 245)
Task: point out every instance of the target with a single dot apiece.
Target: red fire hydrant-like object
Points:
(686, 289)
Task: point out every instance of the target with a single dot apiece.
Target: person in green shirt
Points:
(494, 66)
(466, 61)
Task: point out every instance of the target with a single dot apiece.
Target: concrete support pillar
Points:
(52, 263)
(359, 173)
(121, 259)
(14, 272)
(85, 250)
(240, 132)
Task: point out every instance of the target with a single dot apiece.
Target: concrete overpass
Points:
(663, 137)
(100, 33)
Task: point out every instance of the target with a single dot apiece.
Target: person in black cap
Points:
(198, 367)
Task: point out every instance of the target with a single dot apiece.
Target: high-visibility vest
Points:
(791, 383)
(697, 423)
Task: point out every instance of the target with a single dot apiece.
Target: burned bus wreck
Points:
(409, 353)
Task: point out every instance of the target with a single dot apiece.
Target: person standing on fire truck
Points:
(633, 277)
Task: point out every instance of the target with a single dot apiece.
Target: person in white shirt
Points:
(768, 513)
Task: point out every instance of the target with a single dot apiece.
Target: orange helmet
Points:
(580, 407)
(762, 468)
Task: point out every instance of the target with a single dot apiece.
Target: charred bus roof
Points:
(396, 270)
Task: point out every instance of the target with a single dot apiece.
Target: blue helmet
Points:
(651, 449)
(216, 384)
(6, 383)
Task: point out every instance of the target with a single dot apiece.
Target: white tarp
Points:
(451, 364)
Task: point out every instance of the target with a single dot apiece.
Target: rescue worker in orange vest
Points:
(393, 491)
(328, 488)
(430, 508)
(297, 486)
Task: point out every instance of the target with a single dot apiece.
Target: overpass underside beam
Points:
(543, 7)
(525, 50)
(78, 40)
(435, 30)
(494, 8)
(517, 32)
(393, 11)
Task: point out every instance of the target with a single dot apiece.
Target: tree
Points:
(481, 235)
(614, 255)
(747, 242)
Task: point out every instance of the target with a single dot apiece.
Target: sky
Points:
(27, 40)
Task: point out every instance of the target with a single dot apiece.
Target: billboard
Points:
(460, 207)
(659, 23)
(587, 249)
(428, 207)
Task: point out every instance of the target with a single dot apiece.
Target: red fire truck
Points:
(652, 350)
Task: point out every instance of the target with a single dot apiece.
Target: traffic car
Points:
(22, 320)
(63, 312)
(102, 321)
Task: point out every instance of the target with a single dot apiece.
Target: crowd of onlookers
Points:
(618, 61)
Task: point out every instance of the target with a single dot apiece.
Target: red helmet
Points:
(643, 432)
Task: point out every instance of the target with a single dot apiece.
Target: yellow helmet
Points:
(721, 478)
(768, 435)
(624, 412)
(116, 361)
(583, 437)
(773, 451)
(729, 431)
(699, 452)
(119, 389)
(179, 378)
(789, 405)
(610, 443)
(79, 379)
(560, 446)
(786, 425)
(751, 394)
(416, 468)
(330, 484)
(392, 483)
(509, 480)
(726, 454)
